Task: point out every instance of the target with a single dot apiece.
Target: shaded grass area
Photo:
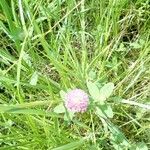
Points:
(48, 46)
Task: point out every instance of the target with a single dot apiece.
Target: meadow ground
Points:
(50, 46)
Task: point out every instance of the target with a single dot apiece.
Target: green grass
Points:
(48, 46)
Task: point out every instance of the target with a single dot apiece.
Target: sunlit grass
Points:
(49, 46)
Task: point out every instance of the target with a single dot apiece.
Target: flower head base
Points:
(76, 100)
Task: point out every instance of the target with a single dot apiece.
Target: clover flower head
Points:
(76, 100)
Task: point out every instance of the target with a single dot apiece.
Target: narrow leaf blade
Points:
(70, 146)
(34, 78)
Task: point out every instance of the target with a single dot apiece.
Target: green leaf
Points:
(59, 108)
(141, 146)
(93, 90)
(106, 91)
(7, 11)
(69, 115)
(100, 113)
(24, 105)
(108, 111)
(116, 99)
(34, 78)
(27, 59)
(70, 146)
(62, 95)
(17, 110)
(135, 45)
(6, 56)
(92, 75)
(121, 48)
(117, 138)
(104, 111)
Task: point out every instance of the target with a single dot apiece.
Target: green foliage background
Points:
(52, 45)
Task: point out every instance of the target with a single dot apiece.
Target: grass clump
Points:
(50, 47)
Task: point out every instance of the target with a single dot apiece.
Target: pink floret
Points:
(76, 100)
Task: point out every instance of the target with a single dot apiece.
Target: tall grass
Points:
(48, 46)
